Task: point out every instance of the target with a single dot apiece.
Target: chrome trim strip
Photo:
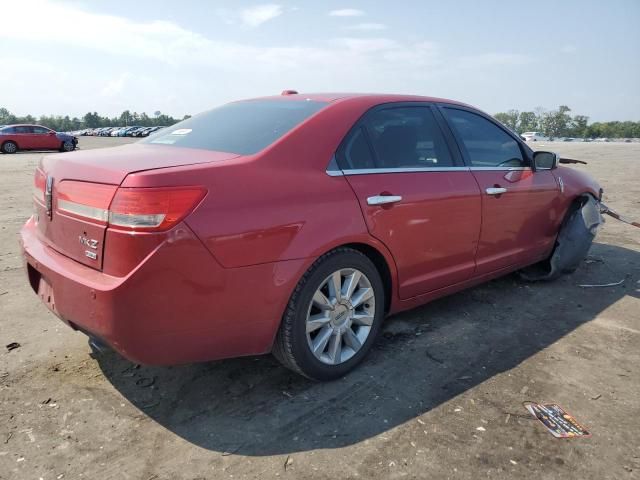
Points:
(83, 210)
(372, 171)
(368, 171)
(335, 173)
(499, 169)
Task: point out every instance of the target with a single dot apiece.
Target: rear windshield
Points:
(244, 128)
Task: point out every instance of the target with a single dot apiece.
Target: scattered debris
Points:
(6, 440)
(151, 405)
(559, 423)
(46, 401)
(596, 397)
(288, 462)
(481, 429)
(145, 381)
(506, 420)
(287, 394)
(13, 346)
(232, 450)
(3, 293)
(607, 211)
(431, 357)
(513, 462)
(129, 371)
(615, 284)
(593, 260)
(571, 160)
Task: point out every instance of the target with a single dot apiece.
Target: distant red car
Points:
(34, 137)
(294, 225)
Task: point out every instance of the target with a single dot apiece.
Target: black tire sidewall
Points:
(305, 359)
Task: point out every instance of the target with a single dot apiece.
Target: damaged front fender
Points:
(572, 245)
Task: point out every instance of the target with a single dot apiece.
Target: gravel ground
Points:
(439, 397)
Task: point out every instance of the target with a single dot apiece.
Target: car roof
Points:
(26, 125)
(373, 98)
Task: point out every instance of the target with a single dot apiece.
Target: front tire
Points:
(67, 146)
(333, 316)
(9, 147)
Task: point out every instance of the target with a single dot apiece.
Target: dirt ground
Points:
(440, 396)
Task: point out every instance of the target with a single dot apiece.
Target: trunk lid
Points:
(74, 190)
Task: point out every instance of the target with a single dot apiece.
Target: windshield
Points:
(244, 128)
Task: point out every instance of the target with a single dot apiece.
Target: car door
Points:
(23, 137)
(520, 206)
(416, 195)
(44, 138)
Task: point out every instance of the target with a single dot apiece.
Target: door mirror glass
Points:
(545, 160)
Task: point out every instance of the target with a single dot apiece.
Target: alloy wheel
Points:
(340, 316)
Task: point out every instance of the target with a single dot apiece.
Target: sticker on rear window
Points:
(181, 131)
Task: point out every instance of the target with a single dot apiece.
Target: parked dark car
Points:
(34, 137)
(294, 224)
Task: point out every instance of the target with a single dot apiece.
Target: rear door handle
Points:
(383, 199)
(496, 190)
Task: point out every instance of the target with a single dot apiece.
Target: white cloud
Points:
(115, 86)
(346, 12)
(259, 14)
(492, 59)
(174, 69)
(367, 27)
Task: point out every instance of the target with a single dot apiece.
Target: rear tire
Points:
(326, 331)
(9, 147)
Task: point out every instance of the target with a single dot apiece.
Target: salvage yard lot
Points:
(439, 397)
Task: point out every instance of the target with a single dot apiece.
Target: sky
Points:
(68, 57)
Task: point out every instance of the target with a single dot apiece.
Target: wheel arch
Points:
(381, 264)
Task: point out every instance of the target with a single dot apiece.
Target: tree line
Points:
(560, 123)
(91, 120)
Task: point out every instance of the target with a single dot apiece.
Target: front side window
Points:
(244, 127)
(23, 129)
(7, 131)
(487, 145)
(40, 130)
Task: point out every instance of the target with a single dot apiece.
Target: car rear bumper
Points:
(166, 311)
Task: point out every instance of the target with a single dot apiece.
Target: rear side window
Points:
(7, 130)
(23, 129)
(356, 153)
(244, 128)
(40, 130)
(487, 145)
(407, 137)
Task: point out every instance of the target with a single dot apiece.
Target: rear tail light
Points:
(134, 209)
(152, 208)
(85, 200)
(39, 182)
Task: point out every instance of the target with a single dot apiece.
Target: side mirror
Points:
(51, 132)
(546, 160)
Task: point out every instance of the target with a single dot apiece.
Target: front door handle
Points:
(496, 190)
(383, 199)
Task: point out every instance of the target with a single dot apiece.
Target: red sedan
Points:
(294, 225)
(34, 137)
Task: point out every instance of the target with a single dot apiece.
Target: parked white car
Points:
(534, 137)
